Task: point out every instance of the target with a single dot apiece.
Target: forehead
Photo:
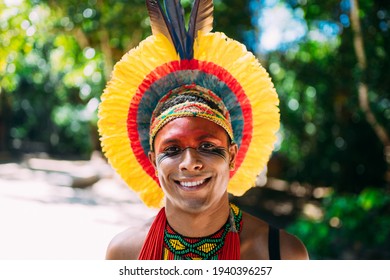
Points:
(191, 128)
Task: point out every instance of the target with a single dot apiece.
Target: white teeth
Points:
(192, 184)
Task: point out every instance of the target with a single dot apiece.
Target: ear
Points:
(152, 159)
(233, 150)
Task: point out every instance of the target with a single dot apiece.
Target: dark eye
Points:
(172, 150)
(207, 146)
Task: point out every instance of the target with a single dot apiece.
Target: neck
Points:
(198, 223)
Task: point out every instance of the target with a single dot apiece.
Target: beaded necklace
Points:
(178, 247)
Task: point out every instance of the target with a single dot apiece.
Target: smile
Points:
(192, 184)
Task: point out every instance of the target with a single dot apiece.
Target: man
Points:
(196, 114)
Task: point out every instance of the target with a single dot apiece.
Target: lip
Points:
(192, 184)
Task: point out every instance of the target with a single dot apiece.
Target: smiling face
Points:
(193, 157)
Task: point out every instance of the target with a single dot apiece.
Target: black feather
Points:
(158, 20)
(175, 14)
(172, 25)
(201, 19)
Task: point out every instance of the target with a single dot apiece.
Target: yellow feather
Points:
(127, 75)
(245, 68)
(155, 51)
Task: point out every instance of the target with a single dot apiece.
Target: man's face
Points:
(193, 158)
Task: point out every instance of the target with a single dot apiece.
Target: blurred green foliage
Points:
(351, 227)
(49, 86)
(327, 139)
(56, 57)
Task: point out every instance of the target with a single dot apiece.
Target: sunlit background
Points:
(327, 181)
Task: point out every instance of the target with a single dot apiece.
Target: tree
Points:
(335, 112)
(56, 57)
(328, 140)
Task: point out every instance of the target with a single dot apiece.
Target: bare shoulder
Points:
(127, 244)
(291, 248)
(253, 238)
(254, 241)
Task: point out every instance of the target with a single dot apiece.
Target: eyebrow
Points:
(176, 140)
(169, 141)
(207, 136)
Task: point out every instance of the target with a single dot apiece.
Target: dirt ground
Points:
(42, 220)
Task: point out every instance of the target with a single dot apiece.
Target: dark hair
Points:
(182, 98)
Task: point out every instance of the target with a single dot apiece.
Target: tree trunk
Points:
(364, 102)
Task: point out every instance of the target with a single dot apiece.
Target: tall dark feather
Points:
(175, 14)
(201, 19)
(158, 20)
(172, 25)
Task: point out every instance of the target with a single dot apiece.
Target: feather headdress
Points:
(172, 24)
(172, 57)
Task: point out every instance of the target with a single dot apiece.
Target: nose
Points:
(190, 160)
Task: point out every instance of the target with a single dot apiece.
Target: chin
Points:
(198, 204)
(193, 205)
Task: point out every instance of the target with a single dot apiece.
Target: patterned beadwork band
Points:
(191, 109)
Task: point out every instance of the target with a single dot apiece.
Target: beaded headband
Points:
(190, 109)
(175, 57)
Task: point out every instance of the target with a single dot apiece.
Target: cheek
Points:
(166, 165)
(220, 169)
(217, 162)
